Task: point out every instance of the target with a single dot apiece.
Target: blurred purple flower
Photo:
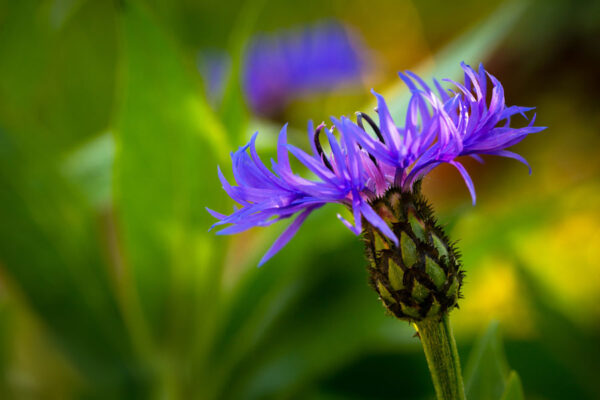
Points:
(440, 126)
(283, 66)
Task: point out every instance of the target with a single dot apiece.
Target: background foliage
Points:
(111, 286)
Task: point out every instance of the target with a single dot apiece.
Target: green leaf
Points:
(168, 143)
(51, 251)
(487, 369)
(514, 388)
(90, 168)
(61, 58)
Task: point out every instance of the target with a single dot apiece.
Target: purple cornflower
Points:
(359, 167)
(286, 65)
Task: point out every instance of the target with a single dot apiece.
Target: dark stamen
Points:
(359, 118)
(320, 148)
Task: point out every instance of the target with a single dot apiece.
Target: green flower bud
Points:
(421, 278)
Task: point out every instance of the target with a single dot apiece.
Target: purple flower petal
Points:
(515, 156)
(287, 235)
(467, 178)
(377, 222)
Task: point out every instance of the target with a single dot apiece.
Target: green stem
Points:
(442, 358)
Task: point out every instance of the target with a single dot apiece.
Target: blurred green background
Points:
(111, 287)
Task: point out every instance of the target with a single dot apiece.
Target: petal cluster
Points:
(362, 163)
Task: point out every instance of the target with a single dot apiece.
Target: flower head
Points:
(287, 65)
(283, 66)
(362, 164)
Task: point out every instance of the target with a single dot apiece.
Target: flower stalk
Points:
(442, 358)
(419, 280)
